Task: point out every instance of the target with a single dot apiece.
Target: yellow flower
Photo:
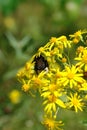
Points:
(82, 59)
(63, 40)
(80, 49)
(51, 103)
(56, 52)
(51, 93)
(64, 60)
(41, 49)
(77, 36)
(44, 51)
(50, 89)
(75, 40)
(53, 40)
(76, 102)
(58, 73)
(51, 43)
(38, 81)
(25, 87)
(15, 96)
(52, 124)
(71, 76)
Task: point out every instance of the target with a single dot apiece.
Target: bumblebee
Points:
(40, 64)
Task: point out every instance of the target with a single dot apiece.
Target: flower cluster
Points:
(59, 71)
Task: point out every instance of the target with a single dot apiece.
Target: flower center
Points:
(75, 102)
(52, 87)
(50, 123)
(70, 75)
(52, 98)
(25, 87)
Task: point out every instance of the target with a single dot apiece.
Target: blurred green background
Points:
(25, 25)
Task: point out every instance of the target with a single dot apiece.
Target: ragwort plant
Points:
(59, 72)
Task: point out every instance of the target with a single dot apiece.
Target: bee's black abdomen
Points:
(40, 64)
